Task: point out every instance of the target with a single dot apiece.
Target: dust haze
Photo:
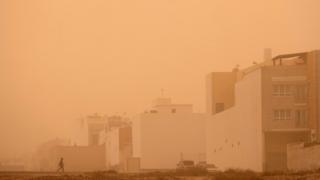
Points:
(61, 60)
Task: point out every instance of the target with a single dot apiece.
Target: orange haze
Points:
(62, 59)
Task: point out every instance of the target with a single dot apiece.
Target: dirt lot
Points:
(227, 175)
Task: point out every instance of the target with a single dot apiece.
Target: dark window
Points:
(301, 118)
(219, 107)
(281, 90)
(282, 114)
(95, 139)
(301, 93)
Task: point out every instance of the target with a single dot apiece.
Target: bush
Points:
(233, 174)
(195, 171)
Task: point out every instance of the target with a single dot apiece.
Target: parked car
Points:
(208, 167)
(185, 164)
(202, 164)
(212, 168)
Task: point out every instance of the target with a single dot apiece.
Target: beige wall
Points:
(80, 132)
(234, 137)
(303, 158)
(81, 158)
(220, 89)
(125, 147)
(118, 148)
(160, 139)
(314, 91)
(112, 148)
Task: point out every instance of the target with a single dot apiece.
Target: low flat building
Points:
(167, 133)
(76, 158)
(80, 158)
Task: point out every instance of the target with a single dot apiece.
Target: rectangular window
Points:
(282, 114)
(281, 90)
(281, 93)
(276, 115)
(219, 107)
(276, 90)
(287, 114)
(287, 90)
(301, 93)
(301, 117)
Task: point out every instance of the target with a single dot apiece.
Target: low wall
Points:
(82, 158)
(302, 157)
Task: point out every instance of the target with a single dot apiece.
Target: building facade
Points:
(275, 103)
(166, 134)
(119, 148)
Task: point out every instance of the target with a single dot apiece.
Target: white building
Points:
(234, 136)
(87, 130)
(118, 148)
(168, 133)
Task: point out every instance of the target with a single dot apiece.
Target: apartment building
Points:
(255, 112)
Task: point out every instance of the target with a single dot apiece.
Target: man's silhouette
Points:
(61, 165)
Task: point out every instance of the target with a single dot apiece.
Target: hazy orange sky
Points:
(62, 59)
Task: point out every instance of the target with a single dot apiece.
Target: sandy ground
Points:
(155, 176)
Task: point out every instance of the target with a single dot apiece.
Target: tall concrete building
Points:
(257, 111)
(167, 133)
(96, 124)
(119, 148)
(88, 130)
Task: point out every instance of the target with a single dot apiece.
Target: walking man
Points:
(61, 165)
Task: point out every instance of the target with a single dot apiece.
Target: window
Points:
(282, 114)
(301, 92)
(94, 139)
(281, 90)
(301, 117)
(219, 107)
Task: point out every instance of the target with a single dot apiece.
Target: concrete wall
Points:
(314, 90)
(276, 142)
(112, 148)
(80, 132)
(160, 139)
(118, 148)
(125, 147)
(45, 158)
(179, 108)
(220, 89)
(303, 158)
(234, 137)
(80, 158)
